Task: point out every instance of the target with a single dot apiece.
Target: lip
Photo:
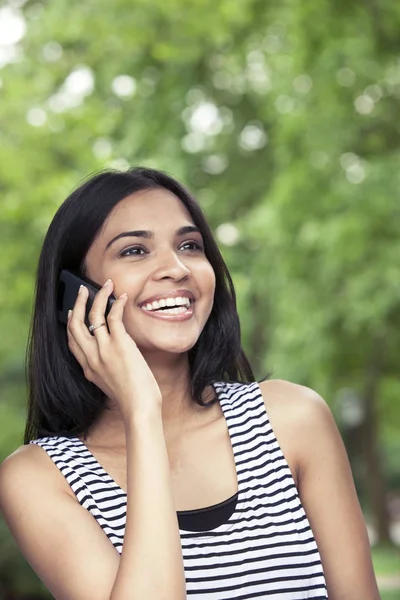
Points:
(166, 317)
(171, 294)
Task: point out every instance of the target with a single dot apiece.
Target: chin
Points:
(175, 338)
(167, 346)
(173, 348)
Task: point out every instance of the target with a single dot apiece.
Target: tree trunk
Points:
(375, 483)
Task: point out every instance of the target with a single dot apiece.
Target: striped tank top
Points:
(264, 549)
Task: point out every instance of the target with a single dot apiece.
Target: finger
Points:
(76, 322)
(81, 358)
(97, 312)
(115, 316)
(79, 308)
(74, 347)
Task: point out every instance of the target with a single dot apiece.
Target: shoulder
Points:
(29, 481)
(23, 458)
(295, 403)
(28, 467)
(300, 418)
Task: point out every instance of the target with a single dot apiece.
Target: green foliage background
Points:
(282, 117)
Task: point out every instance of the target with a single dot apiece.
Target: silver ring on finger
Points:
(93, 327)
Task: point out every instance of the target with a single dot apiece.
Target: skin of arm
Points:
(67, 548)
(59, 538)
(45, 519)
(151, 564)
(313, 447)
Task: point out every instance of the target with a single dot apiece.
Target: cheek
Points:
(208, 279)
(208, 283)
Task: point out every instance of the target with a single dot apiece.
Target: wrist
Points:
(135, 418)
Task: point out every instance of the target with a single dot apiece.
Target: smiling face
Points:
(151, 249)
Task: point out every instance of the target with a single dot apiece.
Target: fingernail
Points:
(123, 296)
(69, 313)
(107, 282)
(80, 289)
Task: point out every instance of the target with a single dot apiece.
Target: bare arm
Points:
(65, 545)
(151, 563)
(59, 538)
(312, 444)
(329, 497)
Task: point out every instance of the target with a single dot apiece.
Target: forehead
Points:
(149, 209)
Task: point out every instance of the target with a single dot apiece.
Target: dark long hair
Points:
(61, 400)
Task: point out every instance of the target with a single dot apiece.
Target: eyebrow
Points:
(142, 233)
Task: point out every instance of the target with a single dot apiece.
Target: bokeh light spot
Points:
(253, 137)
(124, 86)
(36, 117)
(12, 26)
(228, 234)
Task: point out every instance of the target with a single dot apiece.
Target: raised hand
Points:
(109, 357)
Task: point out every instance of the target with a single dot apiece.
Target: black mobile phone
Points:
(67, 292)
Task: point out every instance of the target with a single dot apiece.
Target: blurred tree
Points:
(282, 118)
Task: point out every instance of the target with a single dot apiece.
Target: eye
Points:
(132, 251)
(192, 245)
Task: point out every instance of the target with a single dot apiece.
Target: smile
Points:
(168, 304)
(176, 305)
(174, 313)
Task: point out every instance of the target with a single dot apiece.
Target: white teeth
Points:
(184, 302)
(175, 311)
(170, 302)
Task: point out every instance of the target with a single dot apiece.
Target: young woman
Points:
(157, 467)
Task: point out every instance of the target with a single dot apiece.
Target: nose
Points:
(171, 266)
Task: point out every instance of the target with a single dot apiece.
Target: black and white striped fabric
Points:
(266, 548)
